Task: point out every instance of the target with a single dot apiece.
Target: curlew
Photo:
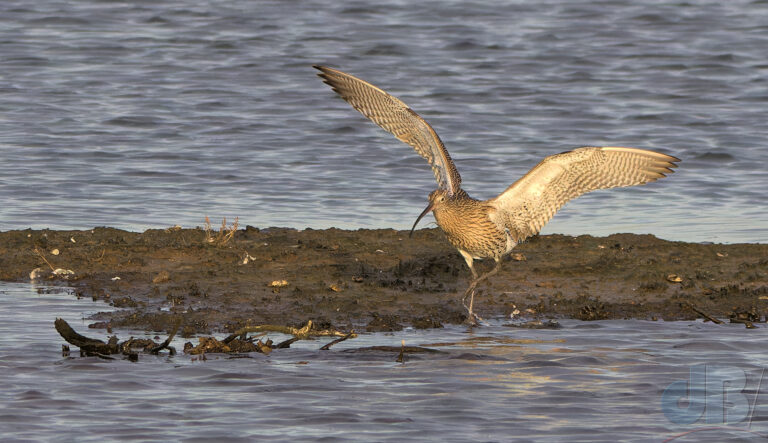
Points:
(492, 228)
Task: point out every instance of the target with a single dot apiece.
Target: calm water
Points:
(585, 382)
(147, 114)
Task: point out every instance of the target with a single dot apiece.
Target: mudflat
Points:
(380, 280)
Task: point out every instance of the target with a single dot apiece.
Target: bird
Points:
(492, 228)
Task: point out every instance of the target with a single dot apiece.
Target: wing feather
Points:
(396, 117)
(529, 203)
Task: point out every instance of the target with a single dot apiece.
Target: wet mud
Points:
(381, 280)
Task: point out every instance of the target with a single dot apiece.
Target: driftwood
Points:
(94, 347)
(704, 314)
(210, 345)
(239, 342)
(338, 340)
(164, 345)
(747, 318)
(287, 343)
(87, 345)
(303, 333)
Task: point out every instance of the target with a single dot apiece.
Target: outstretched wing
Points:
(396, 117)
(526, 206)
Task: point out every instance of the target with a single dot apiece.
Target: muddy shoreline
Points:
(379, 280)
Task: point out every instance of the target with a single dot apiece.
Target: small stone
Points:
(248, 258)
(36, 273)
(162, 277)
(674, 278)
(278, 283)
(64, 272)
(55, 252)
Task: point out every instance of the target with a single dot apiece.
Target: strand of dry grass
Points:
(38, 252)
(224, 235)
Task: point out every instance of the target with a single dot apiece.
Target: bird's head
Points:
(436, 198)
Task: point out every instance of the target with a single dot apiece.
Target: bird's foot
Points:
(473, 319)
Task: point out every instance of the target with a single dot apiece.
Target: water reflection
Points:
(597, 381)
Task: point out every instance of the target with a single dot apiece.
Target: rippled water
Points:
(147, 114)
(589, 381)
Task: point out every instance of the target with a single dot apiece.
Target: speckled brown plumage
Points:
(491, 228)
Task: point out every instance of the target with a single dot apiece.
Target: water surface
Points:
(148, 114)
(589, 381)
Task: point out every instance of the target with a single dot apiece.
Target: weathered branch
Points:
(705, 315)
(338, 340)
(286, 343)
(230, 344)
(89, 345)
(301, 333)
(168, 340)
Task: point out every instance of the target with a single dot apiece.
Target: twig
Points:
(338, 340)
(287, 343)
(208, 238)
(401, 357)
(705, 315)
(100, 257)
(224, 235)
(222, 230)
(167, 341)
(44, 259)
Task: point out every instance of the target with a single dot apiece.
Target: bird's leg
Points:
(468, 258)
(473, 318)
(470, 263)
(490, 273)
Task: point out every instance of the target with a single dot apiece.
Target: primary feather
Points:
(396, 117)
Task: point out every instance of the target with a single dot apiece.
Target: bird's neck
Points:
(460, 206)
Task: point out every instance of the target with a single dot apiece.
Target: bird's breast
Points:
(470, 228)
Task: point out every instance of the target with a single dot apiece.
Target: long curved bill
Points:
(423, 213)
